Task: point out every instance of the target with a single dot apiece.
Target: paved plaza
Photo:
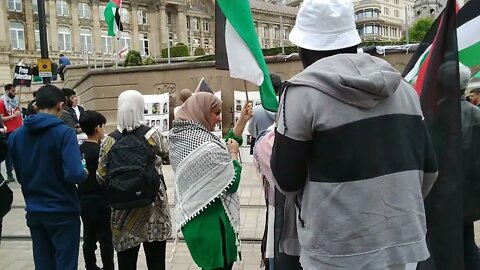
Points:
(16, 248)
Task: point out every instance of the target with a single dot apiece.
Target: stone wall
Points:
(98, 89)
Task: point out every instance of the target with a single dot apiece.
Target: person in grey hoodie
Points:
(351, 147)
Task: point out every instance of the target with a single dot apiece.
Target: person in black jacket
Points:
(471, 172)
(32, 107)
(95, 211)
(73, 111)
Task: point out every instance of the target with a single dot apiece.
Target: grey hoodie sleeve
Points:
(68, 119)
(292, 145)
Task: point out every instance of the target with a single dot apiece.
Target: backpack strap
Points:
(140, 131)
(116, 135)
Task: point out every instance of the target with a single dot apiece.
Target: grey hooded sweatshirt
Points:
(352, 149)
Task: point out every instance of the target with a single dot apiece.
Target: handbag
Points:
(6, 198)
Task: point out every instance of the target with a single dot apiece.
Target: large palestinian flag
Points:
(112, 17)
(439, 89)
(242, 48)
(468, 23)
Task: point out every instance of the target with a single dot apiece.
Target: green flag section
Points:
(468, 18)
(477, 75)
(245, 57)
(112, 17)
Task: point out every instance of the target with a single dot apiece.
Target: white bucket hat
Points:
(325, 25)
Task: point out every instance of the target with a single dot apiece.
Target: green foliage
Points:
(199, 51)
(278, 50)
(133, 59)
(419, 29)
(208, 57)
(149, 61)
(380, 43)
(180, 50)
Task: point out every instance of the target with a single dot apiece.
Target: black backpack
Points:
(132, 178)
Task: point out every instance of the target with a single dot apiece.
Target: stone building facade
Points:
(77, 28)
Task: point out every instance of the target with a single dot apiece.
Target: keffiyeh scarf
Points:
(203, 171)
(11, 104)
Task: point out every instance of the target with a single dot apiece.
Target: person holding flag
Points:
(352, 149)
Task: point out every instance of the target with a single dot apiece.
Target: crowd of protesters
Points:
(346, 165)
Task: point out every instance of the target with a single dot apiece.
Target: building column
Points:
(52, 9)
(5, 73)
(4, 27)
(135, 35)
(163, 26)
(202, 34)
(182, 24)
(97, 32)
(212, 30)
(76, 47)
(29, 28)
(154, 35)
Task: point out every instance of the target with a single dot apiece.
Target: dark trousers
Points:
(1, 221)
(8, 159)
(96, 228)
(470, 248)
(56, 241)
(154, 253)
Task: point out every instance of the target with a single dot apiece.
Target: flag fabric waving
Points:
(112, 17)
(245, 57)
(439, 89)
(468, 20)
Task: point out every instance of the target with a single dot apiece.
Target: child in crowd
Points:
(95, 211)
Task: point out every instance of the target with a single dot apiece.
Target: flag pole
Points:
(246, 91)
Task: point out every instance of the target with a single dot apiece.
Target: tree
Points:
(420, 28)
(199, 51)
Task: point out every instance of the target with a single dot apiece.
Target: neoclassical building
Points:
(383, 19)
(77, 28)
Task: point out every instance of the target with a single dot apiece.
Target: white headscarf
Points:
(130, 110)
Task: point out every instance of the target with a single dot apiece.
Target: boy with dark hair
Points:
(47, 163)
(95, 211)
(73, 111)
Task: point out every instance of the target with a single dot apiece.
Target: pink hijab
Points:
(199, 107)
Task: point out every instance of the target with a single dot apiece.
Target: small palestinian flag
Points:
(112, 17)
(468, 21)
(203, 87)
(242, 48)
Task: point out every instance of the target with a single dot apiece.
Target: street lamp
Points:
(42, 27)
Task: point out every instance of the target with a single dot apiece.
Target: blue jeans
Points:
(55, 239)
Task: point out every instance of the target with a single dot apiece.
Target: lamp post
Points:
(42, 27)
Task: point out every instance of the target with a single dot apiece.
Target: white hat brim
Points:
(317, 42)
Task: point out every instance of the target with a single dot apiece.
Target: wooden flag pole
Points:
(246, 91)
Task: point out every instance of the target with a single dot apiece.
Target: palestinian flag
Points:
(242, 48)
(439, 89)
(112, 17)
(477, 75)
(468, 21)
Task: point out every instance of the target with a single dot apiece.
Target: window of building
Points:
(35, 6)
(125, 41)
(206, 43)
(169, 18)
(396, 13)
(276, 33)
(17, 36)
(206, 26)
(142, 16)
(101, 10)
(196, 42)
(188, 22)
(386, 11)
(62, 8)
(86, 44)
(197, 24)
(265, 31)
(15, 5)
(367, 13)
(170, 39)
(144, 44)
(285, 34)
(107, 45)
(124, 15)
(83, 11)
(395, 2)
(64, 39)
